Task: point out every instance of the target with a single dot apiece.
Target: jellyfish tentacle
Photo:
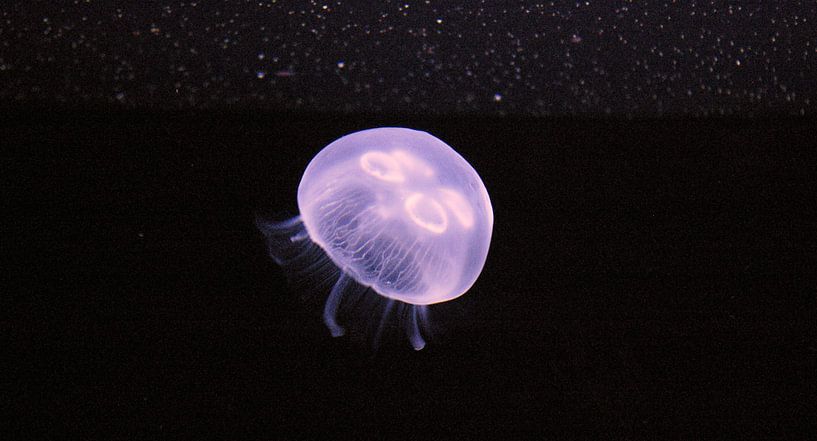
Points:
(282, 238)
(299, 236)
(268, 226)
(383, 319)
(330, 310)
(414, 334)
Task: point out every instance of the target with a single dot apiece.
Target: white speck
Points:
(260, 74)
(341, 64)
(261, 56)
(439, 21)
(737, 62)
(497, 97)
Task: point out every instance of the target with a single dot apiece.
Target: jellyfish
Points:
(399, 213)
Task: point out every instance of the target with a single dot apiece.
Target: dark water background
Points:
(648, 279)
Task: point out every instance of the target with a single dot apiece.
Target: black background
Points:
(647, 279)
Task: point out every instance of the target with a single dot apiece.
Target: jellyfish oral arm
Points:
(414, 335)
(330, 310)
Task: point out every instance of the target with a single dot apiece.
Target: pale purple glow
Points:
(398, 211)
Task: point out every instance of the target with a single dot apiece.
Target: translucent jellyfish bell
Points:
(396, 210)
